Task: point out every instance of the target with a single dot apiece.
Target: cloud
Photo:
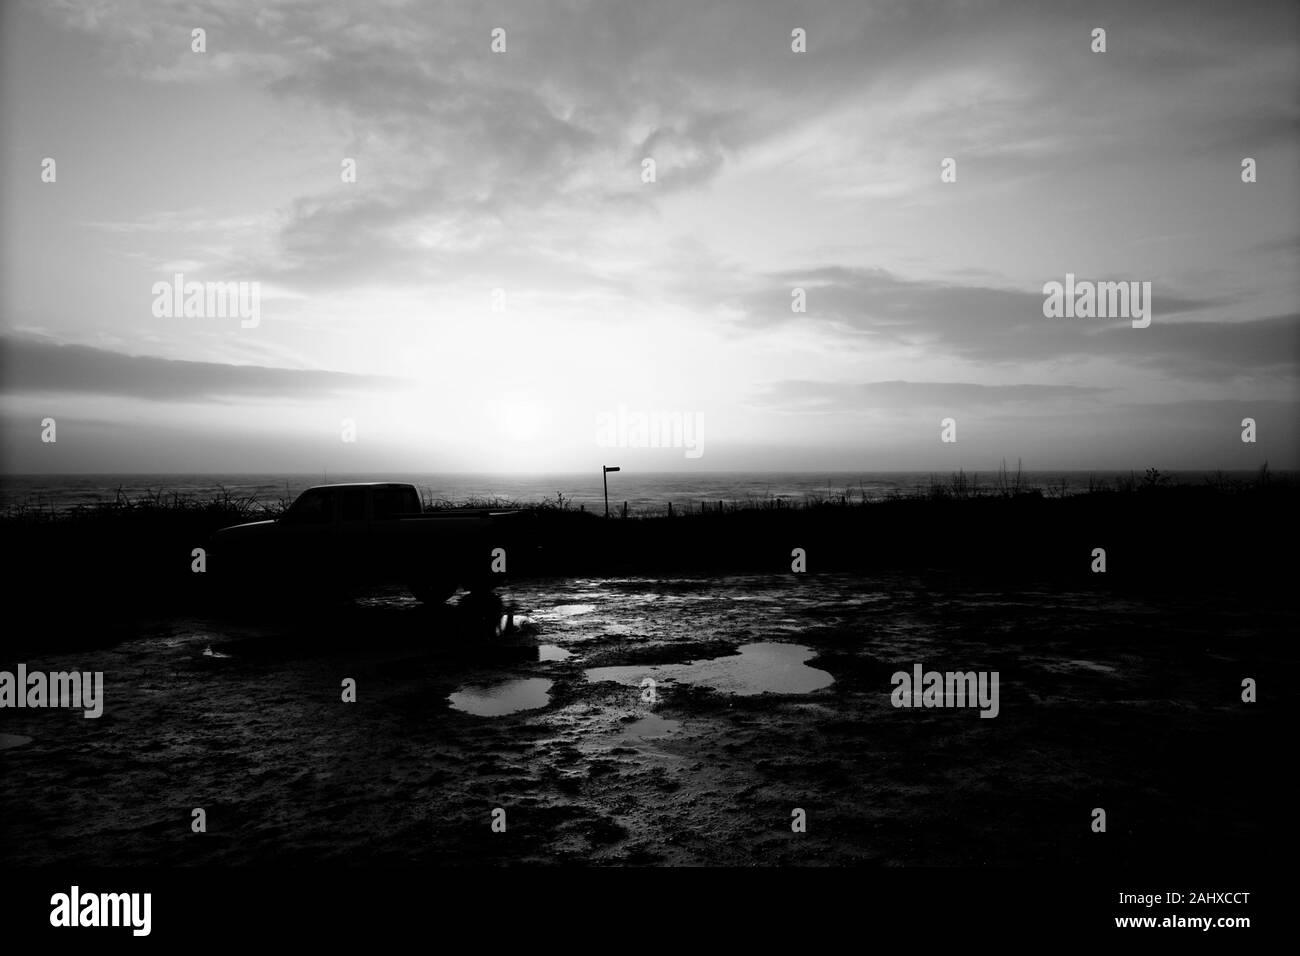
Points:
(873, 307)
(1288, 245)
(819, 397)
(521, 152)
(522, 170)
(35, 366)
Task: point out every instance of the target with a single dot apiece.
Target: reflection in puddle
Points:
(387, 600)
(1091, 666)
(571, 610)
(643, 736)
(13, 740)
(497, 700)
(765, 668)
(552, 652)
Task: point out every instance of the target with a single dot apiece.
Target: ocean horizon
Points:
(643, 491)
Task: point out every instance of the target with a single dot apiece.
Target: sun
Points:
(521, 418)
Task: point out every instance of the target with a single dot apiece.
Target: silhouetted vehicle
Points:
(336, 538)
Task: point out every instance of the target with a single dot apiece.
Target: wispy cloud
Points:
(867, 308)
(32, 366)
(815, 397)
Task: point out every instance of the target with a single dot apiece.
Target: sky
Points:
(500, 278)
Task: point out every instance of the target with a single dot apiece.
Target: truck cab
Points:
(338, 537)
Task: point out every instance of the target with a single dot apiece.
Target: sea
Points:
(644, 493)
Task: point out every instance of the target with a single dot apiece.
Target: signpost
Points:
(604, 473)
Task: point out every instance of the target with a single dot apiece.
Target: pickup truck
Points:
(338, 538)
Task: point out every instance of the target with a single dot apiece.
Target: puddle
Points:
(497, 700)
(1091, 666)
(651, 728)
(552, 652)
(8, 741)
(642, 735)
(386, 601)
(764, 668)
(1074, 666)
(571, 610)
(576, 620)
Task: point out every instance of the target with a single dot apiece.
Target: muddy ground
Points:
(772, 693)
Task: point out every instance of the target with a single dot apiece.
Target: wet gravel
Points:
(770, 694)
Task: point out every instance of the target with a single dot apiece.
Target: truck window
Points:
(354, 504)
(395, 501)
(314, 507)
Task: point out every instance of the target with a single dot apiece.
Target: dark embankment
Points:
(92, 573)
